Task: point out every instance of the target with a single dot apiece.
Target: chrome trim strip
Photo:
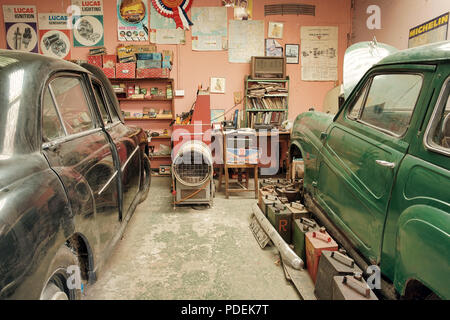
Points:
(70, 138)
(432, 124)
(108, 183)
(129, 159)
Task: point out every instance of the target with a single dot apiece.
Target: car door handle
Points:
(386, 164)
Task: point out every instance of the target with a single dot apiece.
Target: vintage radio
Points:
(268, 68)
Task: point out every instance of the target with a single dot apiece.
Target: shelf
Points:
(267, 110)
(161, 138)
(140, 79)
(267, 80)
(144, 100)
(146, 119)
(270, 96)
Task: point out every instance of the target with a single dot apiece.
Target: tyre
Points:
(147, 179)
(56, 287)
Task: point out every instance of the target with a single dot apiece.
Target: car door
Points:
(361, 154)
(128, 150)
(79, 151)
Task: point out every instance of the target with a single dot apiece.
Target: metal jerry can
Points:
(299, 228)
(281, 219)
(268, 201)
(352, 287)
(316, 243)
(332, 264)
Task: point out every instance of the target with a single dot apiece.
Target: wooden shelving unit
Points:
(152, 124)
(272, 107)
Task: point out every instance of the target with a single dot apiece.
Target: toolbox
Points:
(299, 228)
(332, 264)
(316, 242)
(267, 201)
(280, 217)
(352, 287)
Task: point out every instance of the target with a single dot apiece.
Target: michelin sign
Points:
(435, 30)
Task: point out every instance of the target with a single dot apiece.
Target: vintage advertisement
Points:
(246, 40)
(21, 28)
(54, 35)
(319, 53)
(435, 30)
(209, 32)
(164, 30)
(88, 30)
(132, 16)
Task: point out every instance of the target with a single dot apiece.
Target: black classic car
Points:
(71, 175)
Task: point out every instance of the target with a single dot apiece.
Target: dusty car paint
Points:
(396, 217)
(68, 191)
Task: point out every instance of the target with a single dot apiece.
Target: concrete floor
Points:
(171, 254)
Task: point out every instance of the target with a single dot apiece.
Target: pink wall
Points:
(397, 18)
(192, 68)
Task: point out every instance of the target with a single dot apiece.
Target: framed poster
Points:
(132, 16)
(273, 48)
(292, 53)
(54, 33)
(88, 30)
(21, 28)
(276, 30)
(217, 85)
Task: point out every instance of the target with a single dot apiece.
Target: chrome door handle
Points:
(386, 164)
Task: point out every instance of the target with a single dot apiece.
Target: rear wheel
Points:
(57, 287)
(147, 178)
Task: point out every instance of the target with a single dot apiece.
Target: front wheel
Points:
(147, 178)
(56, 287)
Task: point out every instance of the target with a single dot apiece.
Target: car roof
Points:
(436, 52)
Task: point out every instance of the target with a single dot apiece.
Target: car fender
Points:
(423, 249)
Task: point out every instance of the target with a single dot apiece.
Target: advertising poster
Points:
(435, 30)
(319, 53)
(54, 35)
(132, 16)
(21, 28)
(88, 30)
(243, 9)
(210, 31)
(164, 30)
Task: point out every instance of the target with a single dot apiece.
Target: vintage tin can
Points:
(332, 264)
(299, 228)
(317, 242)
(352, 287)
(281, 219)
(268, 201)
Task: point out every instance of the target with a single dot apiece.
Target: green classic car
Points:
(377, 174)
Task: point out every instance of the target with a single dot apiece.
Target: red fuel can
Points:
(316, 242)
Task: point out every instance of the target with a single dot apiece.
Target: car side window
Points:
(51, 125)
(72, 104)
(101, 103)
(441, 135)
(391, 101)
(356, 109)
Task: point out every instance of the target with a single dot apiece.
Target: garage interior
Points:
(251, 117)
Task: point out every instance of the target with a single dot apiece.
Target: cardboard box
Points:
(110, 72)
(167, 55)
(149, 64)
(152, 73)
(148, 48)
(109, 61)
(125, 52)
(126, 70)
(96, 61)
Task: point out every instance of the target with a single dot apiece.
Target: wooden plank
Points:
(302, 282)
